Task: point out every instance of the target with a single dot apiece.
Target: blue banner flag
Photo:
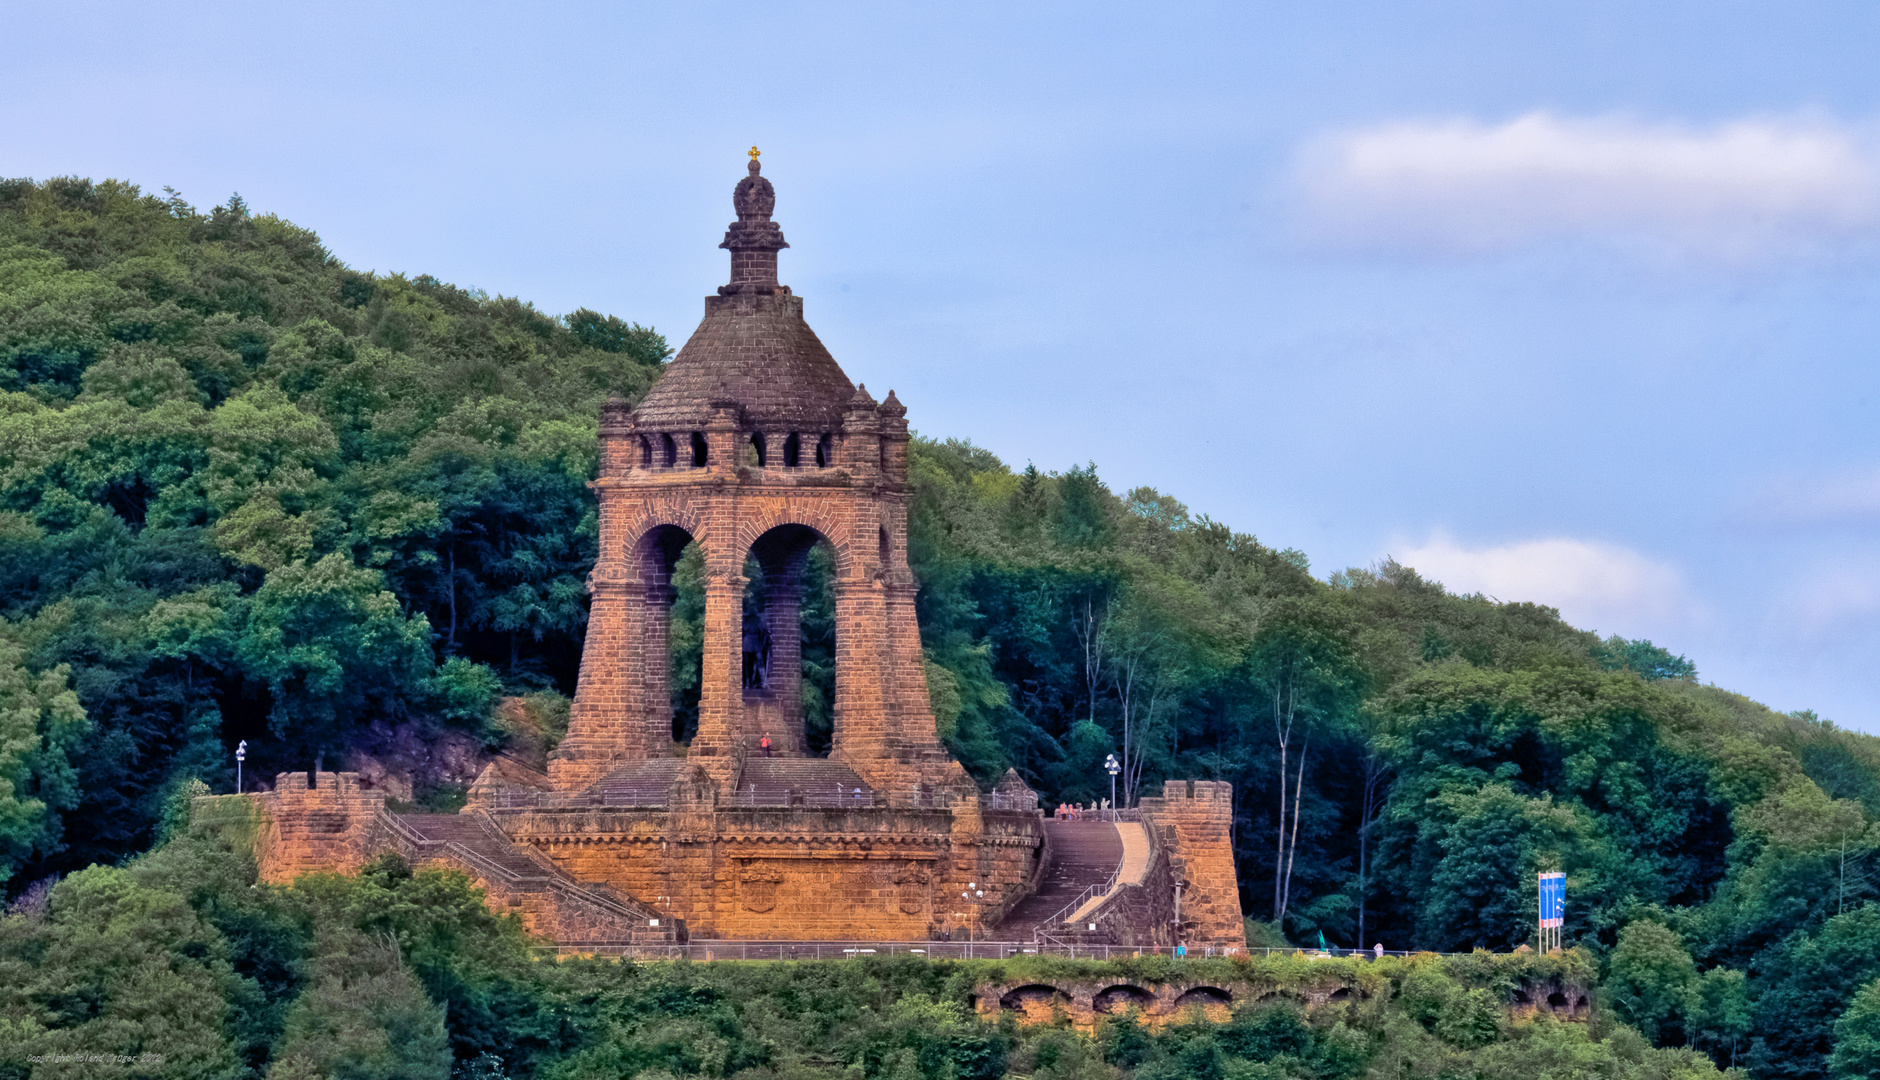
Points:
(1553, 899)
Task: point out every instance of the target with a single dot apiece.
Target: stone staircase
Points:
(553, 902)
(820, 782)
(643, 783)
(1085, 855)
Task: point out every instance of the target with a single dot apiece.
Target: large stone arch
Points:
(809, 514)
(648, 520)
(772, 653)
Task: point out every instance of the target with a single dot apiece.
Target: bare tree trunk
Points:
(450, 640)
(1367, 815)
(1090, 636)
(1126, 696)
(1133, 775)
(1283, 715)
(1840, 901)
(1292, 847)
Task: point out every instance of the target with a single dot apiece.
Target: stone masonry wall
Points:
(1138, 914)
(794, 872)
(325, 827)
(1194, 821)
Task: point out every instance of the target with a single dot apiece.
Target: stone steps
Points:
(1083, 853)
(821, 782)
(599, 911)
(469, 831)
(643, 783)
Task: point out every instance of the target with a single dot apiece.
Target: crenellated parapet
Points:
(1194, 822)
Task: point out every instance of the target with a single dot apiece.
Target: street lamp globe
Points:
(1112, 766)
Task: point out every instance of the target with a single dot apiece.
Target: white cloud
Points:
(1850, 496)
(1832, 598)
(1596, 586)
(1735, 190)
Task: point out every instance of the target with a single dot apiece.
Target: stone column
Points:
(862, 738)
(653, 668)
(601, 717)
(721, 690)
(783, 621)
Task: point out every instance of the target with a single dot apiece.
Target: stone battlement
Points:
(1193, 822)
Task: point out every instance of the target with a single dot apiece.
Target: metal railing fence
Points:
(713, 950)
(826, 799)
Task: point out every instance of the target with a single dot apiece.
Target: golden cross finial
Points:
(754, 153)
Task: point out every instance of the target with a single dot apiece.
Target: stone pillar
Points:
(862, 737)
(1195, 818)
(652, 668)
(721, 689)
(690, 855)
(602, 723)
(783, 621)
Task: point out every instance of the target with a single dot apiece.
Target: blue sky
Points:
(1573, 303)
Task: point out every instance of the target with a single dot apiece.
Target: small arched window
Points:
(646, 452)
(700, 451)
(825, 452)
(792, 451)
(887, 549)
(668, 452)
(757, 447)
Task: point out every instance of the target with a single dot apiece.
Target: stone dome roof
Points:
(753, 350)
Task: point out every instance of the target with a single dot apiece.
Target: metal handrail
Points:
(1064, 913)
(774, 949)
(871, 798)
(698, 949)
(550, 879)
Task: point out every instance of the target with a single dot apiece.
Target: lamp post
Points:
(975, 896)
(1112, 766)
(241, 755)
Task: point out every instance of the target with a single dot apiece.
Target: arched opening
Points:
(1557, 1000)
(668, 452)
(1036, 1001)
(757, 447)
(788, 641)
(1117, 999)
(701, 452)
(671, 613)
(1343, 993)
(1211, 1000)
(884, 550)
(825, 452)
(792, 451)
(646, 452)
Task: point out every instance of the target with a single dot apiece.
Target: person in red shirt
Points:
(765, 743)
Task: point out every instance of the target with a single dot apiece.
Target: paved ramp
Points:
(1134, 867)
(1083, 854)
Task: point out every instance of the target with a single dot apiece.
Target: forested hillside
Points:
(249, 493)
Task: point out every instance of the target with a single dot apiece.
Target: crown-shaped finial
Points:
(753, 239)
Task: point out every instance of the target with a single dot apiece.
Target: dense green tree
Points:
(1857, 1037)
(40, 725)
(1652, 982)
(119, 969)
(1806, 987)
(363, 1017)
